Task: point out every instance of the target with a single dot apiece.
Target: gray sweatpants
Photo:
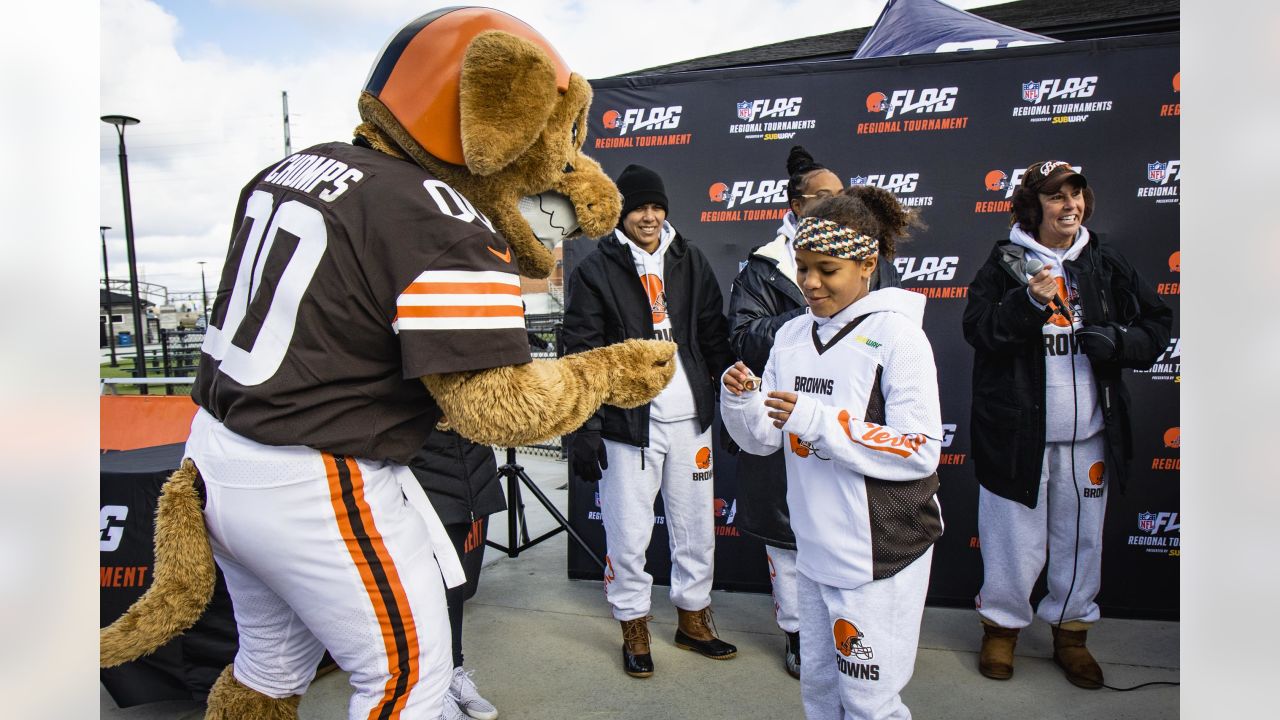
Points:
(858, 647)
(782, 576)
(1067, 519)
(677, 462)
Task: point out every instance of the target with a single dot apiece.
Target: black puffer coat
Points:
(460, 477)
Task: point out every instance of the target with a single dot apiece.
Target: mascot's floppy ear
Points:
(492, 135)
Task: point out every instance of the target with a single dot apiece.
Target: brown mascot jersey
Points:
(350, 275)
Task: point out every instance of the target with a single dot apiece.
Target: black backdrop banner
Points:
(950, 135)
(188, 665)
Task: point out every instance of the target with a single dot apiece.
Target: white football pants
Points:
(329, 552)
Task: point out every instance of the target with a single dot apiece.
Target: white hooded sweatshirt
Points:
(675, 402)
(838, 463)
(1071, 395)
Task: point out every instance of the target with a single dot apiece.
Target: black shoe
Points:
(640, 666)
(791, 655)
(699, 621)
(635, 634)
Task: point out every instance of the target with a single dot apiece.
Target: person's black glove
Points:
(588, 456)
(1099, 341)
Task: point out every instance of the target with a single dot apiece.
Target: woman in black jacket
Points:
(1053, 316)
(646, 281)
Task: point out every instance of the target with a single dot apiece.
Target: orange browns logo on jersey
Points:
(703, 458)
(1064, 299)
(657, 297)
(1097, 473)
(849, 640)
(804, 449)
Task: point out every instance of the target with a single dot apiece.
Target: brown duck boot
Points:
(636, 660)
(996, 658)
(1070, 654)
(697, 633)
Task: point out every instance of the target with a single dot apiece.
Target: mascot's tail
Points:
(182, 582)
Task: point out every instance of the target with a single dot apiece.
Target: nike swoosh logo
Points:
(503, 256)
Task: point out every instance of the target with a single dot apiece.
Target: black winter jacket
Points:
(761, 301)
(460, 478)
(606, 304)
(1004, 327)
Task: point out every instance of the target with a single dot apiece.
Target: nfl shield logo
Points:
(859, 180)
(1147, 522)
(1031, 91)
(1156, 171)
(744, 110)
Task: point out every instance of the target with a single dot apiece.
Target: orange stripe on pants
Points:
(381, 581)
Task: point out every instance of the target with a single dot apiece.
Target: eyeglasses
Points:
(819, 194)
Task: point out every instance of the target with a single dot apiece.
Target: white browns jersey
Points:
(351, 274)
(863, 442)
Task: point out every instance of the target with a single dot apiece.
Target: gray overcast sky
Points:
(205, 79)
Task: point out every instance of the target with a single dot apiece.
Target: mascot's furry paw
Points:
(637, 370)
(525, 404)
(182, 582)
(230, 700)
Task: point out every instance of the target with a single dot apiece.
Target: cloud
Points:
(206, 79)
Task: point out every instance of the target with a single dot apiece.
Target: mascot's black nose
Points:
(568, 167)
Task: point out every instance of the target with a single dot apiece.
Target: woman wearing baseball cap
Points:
(1053, 316)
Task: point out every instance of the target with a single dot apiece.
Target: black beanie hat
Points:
(640, 185)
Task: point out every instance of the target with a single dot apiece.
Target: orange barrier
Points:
(128, 422)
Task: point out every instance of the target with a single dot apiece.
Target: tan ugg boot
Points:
(1070, 654)
(696, 633)
(636, 660)
(229, 700)
(996, 658)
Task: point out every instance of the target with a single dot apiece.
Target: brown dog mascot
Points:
(371, 294)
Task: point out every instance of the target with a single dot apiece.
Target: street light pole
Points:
(204, 294)
(106, 278)
(140, 365)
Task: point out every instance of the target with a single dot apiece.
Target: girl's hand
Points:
(739, 379)
(782, 404)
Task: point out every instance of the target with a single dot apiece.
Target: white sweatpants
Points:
(328, 552)
(677, 462)
(782, 575)
(1014, 538)
(873, 631)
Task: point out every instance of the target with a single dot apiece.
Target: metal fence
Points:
(179, 357)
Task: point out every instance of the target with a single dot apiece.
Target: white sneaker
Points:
(463, 690)
(451, 711)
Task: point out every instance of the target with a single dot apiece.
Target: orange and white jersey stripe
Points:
(460, 300)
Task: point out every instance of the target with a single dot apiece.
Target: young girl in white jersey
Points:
(851, 391)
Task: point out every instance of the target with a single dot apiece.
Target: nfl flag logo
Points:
(1156, 171)
(859, 180)
(1147, 522)
(744, 110)
(1031, 91)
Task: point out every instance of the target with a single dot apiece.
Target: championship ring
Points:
(751, 383)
